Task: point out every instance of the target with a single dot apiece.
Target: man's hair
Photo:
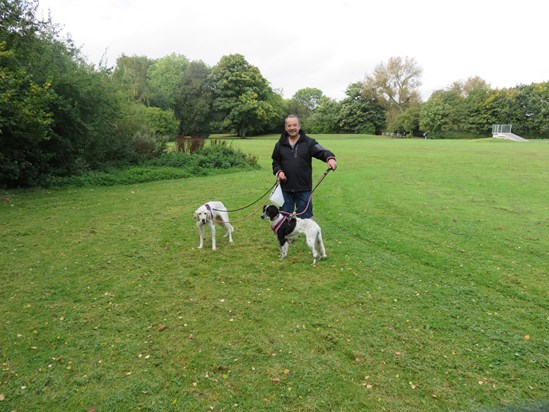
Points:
(292, 116)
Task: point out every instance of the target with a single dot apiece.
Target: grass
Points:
(434, 295)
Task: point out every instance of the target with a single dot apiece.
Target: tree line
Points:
(61, 116)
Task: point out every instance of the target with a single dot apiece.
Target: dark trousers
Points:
(298, 201)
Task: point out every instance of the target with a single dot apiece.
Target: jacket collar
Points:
(285, 139)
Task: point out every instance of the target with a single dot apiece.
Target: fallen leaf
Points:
(162, 327)
(92, 409)
(276, 380)
(286, 371)
(2, 397)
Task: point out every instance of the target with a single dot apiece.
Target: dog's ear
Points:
(195, 215)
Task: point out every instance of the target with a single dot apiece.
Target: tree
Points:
(441, 113)
(304, 102)
(25, 124)
(395, 84)
(407, 121)
(164, 76)
(193, 101)
(471, 84)
(525, 107)
(58, 114)
(359, 113)
(132, 73)
(325, 117)
(241, 96)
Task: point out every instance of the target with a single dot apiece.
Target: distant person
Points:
(292, 165)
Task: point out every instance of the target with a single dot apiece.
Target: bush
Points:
(219, 155)
(147, 145)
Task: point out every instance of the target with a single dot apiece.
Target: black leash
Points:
(251, 204)
(269, 191)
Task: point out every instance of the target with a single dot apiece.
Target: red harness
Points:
(279, 224)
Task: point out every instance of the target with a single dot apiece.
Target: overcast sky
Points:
(319, 43)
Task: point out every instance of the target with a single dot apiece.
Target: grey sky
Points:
(323, 44)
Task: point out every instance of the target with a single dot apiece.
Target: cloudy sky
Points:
(327, 44)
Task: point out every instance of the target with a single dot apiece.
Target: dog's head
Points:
(269, 212)
(202, 215)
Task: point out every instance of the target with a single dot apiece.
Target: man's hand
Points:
(332, 164)
(281, 176)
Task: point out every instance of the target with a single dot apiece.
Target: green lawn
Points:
(434, 295)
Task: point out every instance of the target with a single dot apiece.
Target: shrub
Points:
(219, 155)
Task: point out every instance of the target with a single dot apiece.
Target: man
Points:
(292, 165)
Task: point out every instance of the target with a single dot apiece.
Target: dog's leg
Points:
(212, 228)
(229, 229)
(320, 244)
(201, 233)
(284, 250)
(311, 242)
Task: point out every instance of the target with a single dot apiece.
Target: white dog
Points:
(210, 213)
(286, 229)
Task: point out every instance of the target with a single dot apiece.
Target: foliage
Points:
(360, 113)
(395, 84)
(193, 101)
(60, 116)
(25, 122)
(325, 118)
(525, 107)
(407, 121)
(242, 96)
(164, 78)
(157, 164)
(161, 121)
(304, 102)
(472, 108)
(132, 73)
(219, 154)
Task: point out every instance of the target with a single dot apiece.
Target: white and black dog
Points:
(286, 229)
(211, 213)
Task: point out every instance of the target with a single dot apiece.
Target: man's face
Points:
(292, 127)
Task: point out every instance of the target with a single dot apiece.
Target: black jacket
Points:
(296, 162)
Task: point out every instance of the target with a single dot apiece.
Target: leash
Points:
(261, 206)
(247, 206)
(310, 197)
